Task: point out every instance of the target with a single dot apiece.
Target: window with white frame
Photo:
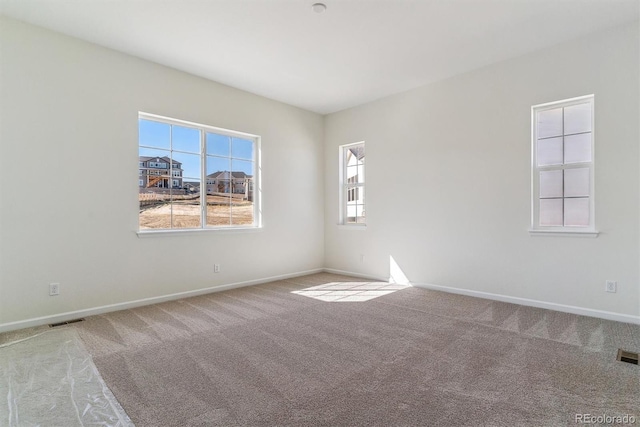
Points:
(352, 201)
(184, 155)
(562, 166)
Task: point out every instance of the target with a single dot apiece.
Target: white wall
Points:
(448, 180)
(68, 214)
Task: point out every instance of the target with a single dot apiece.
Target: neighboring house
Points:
(191, 187)
(158, 172)
(230, 182)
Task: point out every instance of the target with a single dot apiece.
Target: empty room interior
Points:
(244, 272)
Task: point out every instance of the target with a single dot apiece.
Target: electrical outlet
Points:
(54, 289)
(611, 286)
(216, 268)
(361, 257)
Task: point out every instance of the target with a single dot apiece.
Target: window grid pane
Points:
(563, 140)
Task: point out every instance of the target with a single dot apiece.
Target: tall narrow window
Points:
(178, 163)
(562, 166)
(352, 194)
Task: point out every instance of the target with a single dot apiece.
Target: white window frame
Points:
(563, 230)
(257, 192)
(347, 187)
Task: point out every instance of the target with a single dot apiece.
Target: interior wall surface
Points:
(69, 196)
(448, 180)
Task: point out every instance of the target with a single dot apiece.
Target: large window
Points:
(562, 166)
(177, 162)
(352, 201)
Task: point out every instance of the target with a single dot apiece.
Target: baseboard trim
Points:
(352, 274)
(601, 314)
(608, 315)
(63, 317)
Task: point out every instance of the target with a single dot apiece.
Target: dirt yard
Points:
(186, 213)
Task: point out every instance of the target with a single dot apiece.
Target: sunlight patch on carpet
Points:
(350, 291)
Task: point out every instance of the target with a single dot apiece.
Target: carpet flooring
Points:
(329, 350)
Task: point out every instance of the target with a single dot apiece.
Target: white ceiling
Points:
(355, 52)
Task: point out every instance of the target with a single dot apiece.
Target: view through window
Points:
(195, 176)
(352, 181)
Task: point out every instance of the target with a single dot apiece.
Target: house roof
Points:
(165, 158)
(224, 175)
(358, 151)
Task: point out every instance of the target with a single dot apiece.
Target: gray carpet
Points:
(265, 355)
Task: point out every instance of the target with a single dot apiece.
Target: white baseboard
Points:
(352, 274)
(626, 318)
(608, 315)
(63, 317)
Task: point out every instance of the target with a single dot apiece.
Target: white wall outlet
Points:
(361, 257)
(611, 286)
(216, 268)
(54, 289)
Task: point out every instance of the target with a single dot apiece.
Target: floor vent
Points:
(627, 356)
(68, 322)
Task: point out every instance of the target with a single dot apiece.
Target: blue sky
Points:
(223, 152)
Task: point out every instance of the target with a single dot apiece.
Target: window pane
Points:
(153, 153)
(185, 139)
(216, 165)
(218, 210)
(241, 212)
(576, 182)
(240, 191)
(218, 144)
(185, 210)
(352, 175)
(360, 214)
(241, 168)
(241, 177)
(355, 155)
(550, 212)
(576, 212)
(351, 207)
(577, 148)
(155, 209)
(154, 134)
(192, 187)
(549, 123)
(154, 174)
(550, 184)
(242, 148)
(577, 118)
(549, 151)
(186, 165)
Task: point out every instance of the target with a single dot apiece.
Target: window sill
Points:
(358, 227)
(225, 230)
(564, 233)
